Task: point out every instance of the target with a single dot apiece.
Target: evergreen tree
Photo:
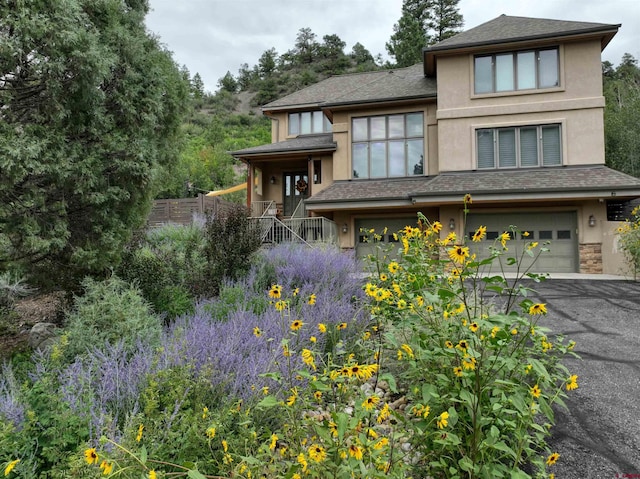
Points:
(267, 63)
(423, 23)
(197, 87)
(228, 83)
(90, 108)
(306, 46)
(444, 20)
(407, 41)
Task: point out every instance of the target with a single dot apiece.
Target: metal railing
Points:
(260, 209)
(314, 229)
(300, 211)
(276, 231)
(297, 229)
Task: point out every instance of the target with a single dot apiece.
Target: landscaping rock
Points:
(42, 335)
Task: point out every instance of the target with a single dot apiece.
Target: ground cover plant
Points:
(426, 367)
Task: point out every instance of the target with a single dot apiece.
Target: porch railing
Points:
(263, 208)
(314, 229)
(276, 231)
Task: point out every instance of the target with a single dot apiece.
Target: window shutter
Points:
(507, 148)
(551, 147)
(528, 147)
(484, 143)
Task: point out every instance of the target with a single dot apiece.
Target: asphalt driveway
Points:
(599, 437)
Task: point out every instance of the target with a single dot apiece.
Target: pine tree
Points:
(423, 23)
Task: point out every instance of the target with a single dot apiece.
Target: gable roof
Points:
(370, 87)
(531, 183)
(508, 29)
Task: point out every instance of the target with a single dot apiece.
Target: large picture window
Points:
(308, 122)
(519, 147)
(388, 146)
(525, 70)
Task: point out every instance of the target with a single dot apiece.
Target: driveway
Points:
(599, 436)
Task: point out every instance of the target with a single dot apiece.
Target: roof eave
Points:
(430, 53)
(266, 154)
(378, 101)
(533, 194)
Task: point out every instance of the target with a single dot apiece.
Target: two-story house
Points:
(510, 111)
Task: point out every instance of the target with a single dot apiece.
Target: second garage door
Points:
(559, 228)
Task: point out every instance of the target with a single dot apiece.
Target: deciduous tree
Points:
(622, 115)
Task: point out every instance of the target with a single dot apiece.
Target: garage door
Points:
(559, 228)
(364, 242)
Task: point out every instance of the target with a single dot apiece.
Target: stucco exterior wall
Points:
(580, 78)
(577, 105)
(342, 169)
(582, 139)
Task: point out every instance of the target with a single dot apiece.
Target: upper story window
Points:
(308, 122)
(510, 71)
(519, 147)
(388, 146)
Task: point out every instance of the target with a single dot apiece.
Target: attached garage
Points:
(364, 243)
(560, 228)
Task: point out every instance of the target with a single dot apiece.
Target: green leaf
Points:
(466, 464)
(501, 446)
(193, 474)
(143, 455)
(445, 293)
(518, 474)
(269, 401)
(319, 386)
(342, 421)
(429, 392)
(467, 397)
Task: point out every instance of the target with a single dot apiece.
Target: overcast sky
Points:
(212, 37)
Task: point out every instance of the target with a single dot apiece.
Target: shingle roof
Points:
(384, 85)
(507, 29)
(322, 142)
(542, 181)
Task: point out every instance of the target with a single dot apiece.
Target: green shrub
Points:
(231, 239)
(167, 264)
(111, 310)
(629, 233)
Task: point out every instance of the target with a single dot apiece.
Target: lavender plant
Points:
(204, 373)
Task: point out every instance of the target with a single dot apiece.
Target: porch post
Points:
(309, 175)
(249, 183)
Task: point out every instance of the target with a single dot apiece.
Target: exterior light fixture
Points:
(345, 228)
(272, 180)
(592, 220)
(452, 224)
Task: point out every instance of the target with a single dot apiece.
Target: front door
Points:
(296, 189)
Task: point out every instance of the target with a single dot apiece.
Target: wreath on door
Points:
(301, 185)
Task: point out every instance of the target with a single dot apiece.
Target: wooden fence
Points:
(183, 210)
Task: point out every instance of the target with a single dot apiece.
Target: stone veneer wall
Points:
(591, 258)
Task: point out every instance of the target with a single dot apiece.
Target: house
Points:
(510, 111)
